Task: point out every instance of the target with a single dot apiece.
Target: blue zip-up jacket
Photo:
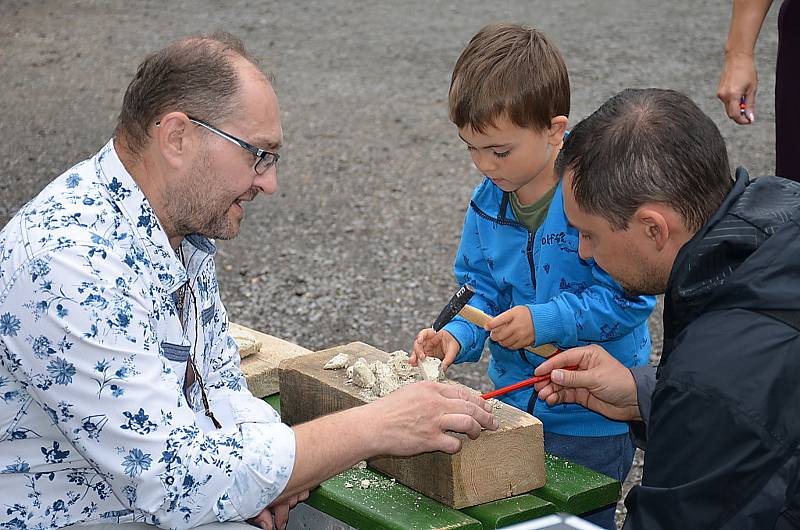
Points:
(572, 302)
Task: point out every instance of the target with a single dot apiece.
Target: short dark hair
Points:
(194, 75)
(647, 145)
(509, 70)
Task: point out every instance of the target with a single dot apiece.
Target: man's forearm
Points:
(746, 21)
(329, 445)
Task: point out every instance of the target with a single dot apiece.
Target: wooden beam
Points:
(263, 354)
(499, 464)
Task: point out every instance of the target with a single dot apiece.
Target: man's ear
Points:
(171, 137)
(653, 224)
(558, 126)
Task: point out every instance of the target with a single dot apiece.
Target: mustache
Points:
(249, 196)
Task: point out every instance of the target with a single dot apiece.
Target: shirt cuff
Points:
(547, 323)
(463, 332)
(249, 409)
(645, 378)
(268, 454)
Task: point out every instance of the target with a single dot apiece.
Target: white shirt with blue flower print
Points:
(94, 422)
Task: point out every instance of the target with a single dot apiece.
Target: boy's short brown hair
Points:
(508, 70)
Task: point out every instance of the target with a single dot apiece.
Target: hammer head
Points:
(456, 304)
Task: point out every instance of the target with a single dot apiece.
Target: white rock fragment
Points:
(362, 375)
(361, 465)
(398, 354)
(431, 369)
(386, 381)
(365, 484)
(348, 485)
(338, 362)
(351, 369)
(402, 368)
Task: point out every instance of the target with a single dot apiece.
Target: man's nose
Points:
(268, 182)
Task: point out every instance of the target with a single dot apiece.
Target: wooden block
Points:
(261, 367)
(245, 339)
(499, 464)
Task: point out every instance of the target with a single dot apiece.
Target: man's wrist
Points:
(366, 427)
(739, 53)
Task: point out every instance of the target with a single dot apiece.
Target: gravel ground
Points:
(359, 241)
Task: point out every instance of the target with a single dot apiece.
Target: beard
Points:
(642, 277)
(195, 210)
(645, 281)
(641, 290)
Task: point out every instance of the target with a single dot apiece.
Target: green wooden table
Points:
(386, 504)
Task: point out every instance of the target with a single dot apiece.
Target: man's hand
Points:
(422, 417)
(512, 329)
(439, 344)
(600, 383)
(738, 79)
(276, 515)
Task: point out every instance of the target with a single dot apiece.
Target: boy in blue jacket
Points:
(509, 97)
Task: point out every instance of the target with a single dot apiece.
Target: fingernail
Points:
(557, 376)
(495, 424)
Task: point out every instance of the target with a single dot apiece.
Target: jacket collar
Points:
(493, 203)
(741, 258)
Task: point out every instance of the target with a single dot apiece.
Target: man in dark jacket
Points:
(647, 183)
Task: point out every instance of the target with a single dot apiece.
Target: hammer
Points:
(458, 306)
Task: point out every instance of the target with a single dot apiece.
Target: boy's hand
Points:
(440, 344)
(512, 329)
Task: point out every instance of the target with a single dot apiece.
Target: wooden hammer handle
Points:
(479, 318)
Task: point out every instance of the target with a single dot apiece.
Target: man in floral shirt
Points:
(121, 397)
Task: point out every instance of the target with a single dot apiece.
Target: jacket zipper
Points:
(528, 251)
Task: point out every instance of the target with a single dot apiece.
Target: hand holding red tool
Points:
(522, 384)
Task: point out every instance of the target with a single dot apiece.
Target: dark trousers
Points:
(787, 92)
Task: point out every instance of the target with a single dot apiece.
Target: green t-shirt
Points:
(532, 215)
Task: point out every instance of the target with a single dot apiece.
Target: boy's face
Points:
(511, 156)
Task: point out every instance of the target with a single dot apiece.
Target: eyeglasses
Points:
(264, 159)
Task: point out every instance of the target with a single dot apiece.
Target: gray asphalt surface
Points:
(358, 242)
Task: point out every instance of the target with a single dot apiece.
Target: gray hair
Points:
(194, 75)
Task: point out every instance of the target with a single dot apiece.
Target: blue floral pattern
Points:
(95, 423)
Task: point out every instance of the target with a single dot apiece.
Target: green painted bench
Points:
(386, 504)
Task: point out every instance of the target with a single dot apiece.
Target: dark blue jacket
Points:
(723, 424)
